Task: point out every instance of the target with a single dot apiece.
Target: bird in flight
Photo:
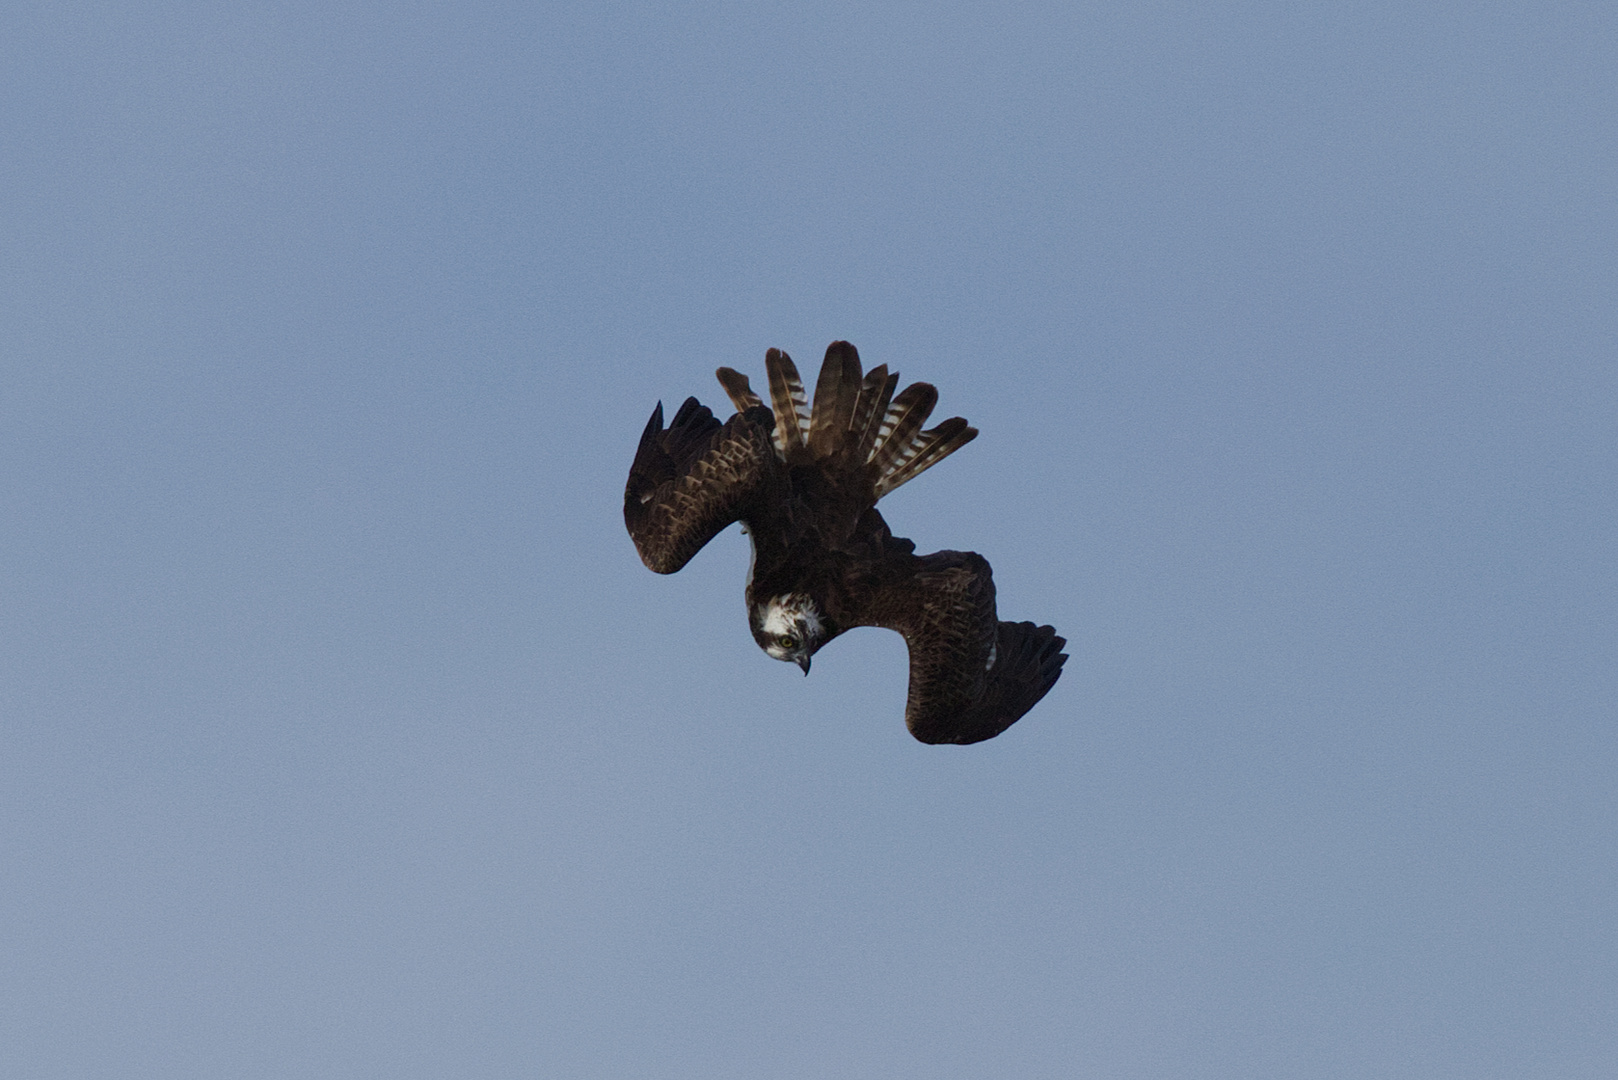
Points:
(804, 482)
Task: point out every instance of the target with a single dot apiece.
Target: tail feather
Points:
(836, 394)
(907, 452)
(789, 401)
(736, 386)
(907, 413)
(864, 406)
(858, 419)
(874, 398)
(927, 449)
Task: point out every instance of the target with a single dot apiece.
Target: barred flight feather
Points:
(942, 441)
(909, 410)
(876, 425)
(788, 400)
(864, 407)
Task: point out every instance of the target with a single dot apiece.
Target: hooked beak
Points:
(803, 662)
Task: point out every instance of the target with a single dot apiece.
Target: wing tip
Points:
(1028, 665)
(676, 497)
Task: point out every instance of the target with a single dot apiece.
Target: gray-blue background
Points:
(342, 734)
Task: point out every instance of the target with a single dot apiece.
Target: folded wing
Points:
(971, 676)
(693, 479)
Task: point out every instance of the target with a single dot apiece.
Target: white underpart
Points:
(994, 650)
(752, 553)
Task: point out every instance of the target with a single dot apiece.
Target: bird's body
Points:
(804, 483)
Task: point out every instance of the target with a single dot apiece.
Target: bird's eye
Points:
(787, 642)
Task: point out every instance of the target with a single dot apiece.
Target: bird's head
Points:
(789, 627)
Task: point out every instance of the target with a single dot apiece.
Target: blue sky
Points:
(343, 734)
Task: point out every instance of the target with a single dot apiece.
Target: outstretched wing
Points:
(693, 479)
(971, 676)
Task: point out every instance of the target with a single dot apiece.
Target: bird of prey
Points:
(804, 483)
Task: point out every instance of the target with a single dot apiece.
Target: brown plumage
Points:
(804, 482)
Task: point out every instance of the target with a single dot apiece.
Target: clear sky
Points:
(342, 733)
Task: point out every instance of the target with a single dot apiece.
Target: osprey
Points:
(804, 483)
